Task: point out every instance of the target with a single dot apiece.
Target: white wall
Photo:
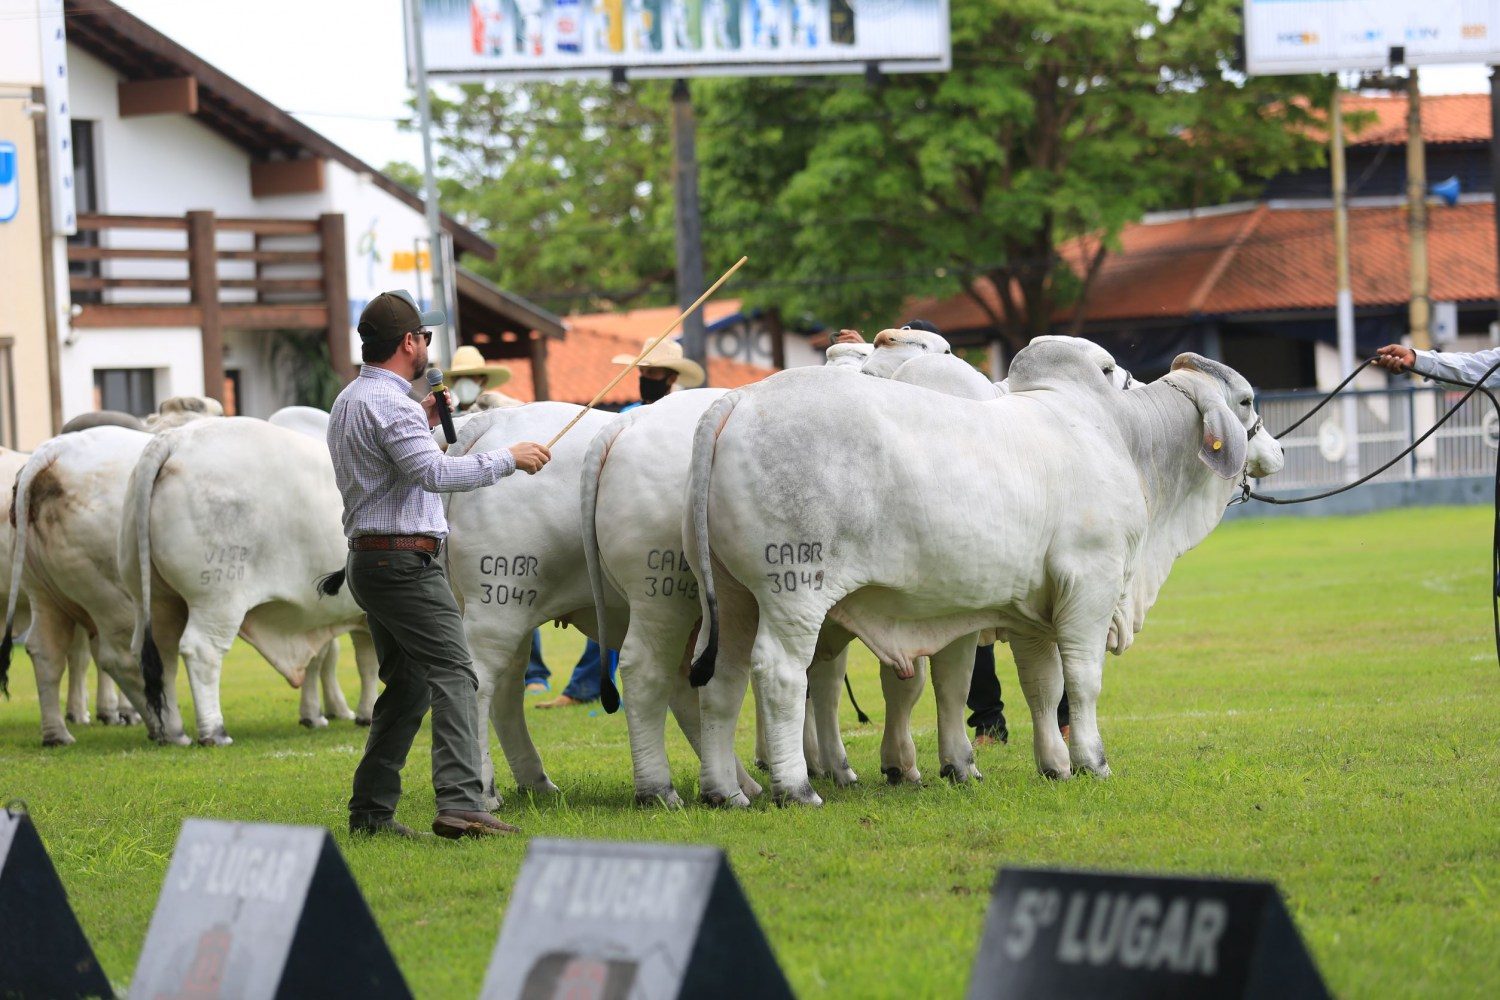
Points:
(20, 53)
(173, 164)
(175, 354)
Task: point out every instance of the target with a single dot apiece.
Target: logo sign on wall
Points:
(1319, 36)
(560, 39)
(10, 181)
(616, 920)
(1077, 934)
(43, 952)
(256, 910)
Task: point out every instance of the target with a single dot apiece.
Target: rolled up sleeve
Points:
(408, 442)
(1458, 367)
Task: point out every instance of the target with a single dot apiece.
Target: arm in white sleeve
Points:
(1466, 368)
(408, 442)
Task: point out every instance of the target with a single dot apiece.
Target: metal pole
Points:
(1495, 158)
(1345, 295)
(448, 336)
(689, 224)
(1416, 203)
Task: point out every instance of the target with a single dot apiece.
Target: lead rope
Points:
(1248, 494)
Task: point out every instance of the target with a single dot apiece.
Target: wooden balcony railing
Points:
(213, 273)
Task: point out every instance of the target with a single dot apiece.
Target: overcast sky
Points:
(338, 64)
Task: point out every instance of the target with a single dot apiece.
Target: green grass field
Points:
(1313, 702)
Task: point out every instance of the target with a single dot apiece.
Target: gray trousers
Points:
(424, 662)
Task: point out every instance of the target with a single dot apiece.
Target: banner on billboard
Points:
(562, 39)
(1320, 36)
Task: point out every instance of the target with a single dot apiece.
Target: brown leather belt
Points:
(397, 543)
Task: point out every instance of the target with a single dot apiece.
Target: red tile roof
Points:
(579, 364)
(1445, 118)
(643, 324)
(1259, 259)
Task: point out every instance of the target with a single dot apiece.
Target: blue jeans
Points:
(587, 676)
(536, 669)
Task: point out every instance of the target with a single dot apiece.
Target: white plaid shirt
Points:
(388, 467)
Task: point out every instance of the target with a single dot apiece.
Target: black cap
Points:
(393, 314)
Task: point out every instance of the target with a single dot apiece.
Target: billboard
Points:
(568, 39)
(1319, 36)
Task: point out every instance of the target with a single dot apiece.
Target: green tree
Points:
(1061, 119)
(569, 181)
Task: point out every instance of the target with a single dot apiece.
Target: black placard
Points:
(590, 920)
(43, 952)
(256, 910)
(1089, 934)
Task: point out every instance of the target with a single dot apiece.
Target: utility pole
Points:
(448, 336)
(689, 224)
(1345, 295)
(1495, 162)
(1416, 204)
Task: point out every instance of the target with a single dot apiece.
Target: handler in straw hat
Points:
(390, 472)
(469, 376)
(663, 368)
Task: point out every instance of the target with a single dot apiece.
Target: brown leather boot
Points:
(456, 823)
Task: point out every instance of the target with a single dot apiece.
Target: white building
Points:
(214, 244)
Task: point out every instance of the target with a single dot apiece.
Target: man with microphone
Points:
(390, 472)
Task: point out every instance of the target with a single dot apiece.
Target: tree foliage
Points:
(1060, 119)
(1060, 122)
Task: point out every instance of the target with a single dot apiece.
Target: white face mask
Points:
(466, 390)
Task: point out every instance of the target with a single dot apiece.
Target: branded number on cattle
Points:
(517, 566)
(668, 575)
(794, 566)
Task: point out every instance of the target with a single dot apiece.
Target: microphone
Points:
(435, 380)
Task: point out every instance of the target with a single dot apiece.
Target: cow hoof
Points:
(844, 777)
(543, 787)
(360, 720)
(954, 773)
(127, 719)
(893, 775)
(814, 771)
(492, 803)
(344, 716)
(79, 720)
(1055, 774)
(750, 788)
(803, 796)
(668, 799)
(735, 801)
(762, 766)
(1099, 770)
(974, 773)
(319, 723)
(63, 740)
(217, 738)
(175, 740)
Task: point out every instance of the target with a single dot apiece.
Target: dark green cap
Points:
(393, 314)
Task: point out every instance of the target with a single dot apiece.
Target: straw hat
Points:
(469, 363)
(668, 354)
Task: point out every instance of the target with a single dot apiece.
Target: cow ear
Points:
(1224, 440)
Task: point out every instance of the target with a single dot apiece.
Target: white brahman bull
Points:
(893, 348)
(634, 471)
(68, 502)
(107, 709)
(228, 527)
(515, 560)
(1051, 514)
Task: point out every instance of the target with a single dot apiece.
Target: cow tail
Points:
(700, 471)
(142, 485)
(329, 584)
(20, 514)
(593, 468)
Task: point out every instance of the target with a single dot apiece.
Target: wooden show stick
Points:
(650, 346)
